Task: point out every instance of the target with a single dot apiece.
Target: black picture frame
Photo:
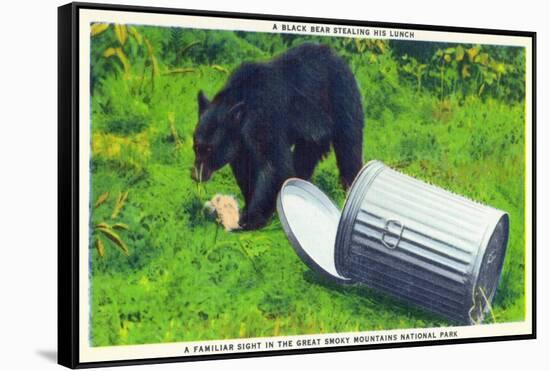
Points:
(68, 182)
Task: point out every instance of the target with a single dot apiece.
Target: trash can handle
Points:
(387, 231)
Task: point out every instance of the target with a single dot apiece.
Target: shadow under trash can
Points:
(420, 243)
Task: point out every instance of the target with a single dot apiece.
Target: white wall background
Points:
(28, 182)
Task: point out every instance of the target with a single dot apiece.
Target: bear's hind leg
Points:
(306, 156)
(349, 156)
(347, 114)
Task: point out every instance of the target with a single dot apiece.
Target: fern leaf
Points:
(120, 226)
(115, 238)
(109, 52)
(100, 247)
(124, 60)
(122, 196)
(189, 46)
(121, 33)
(98, 28)
(101, 199)
(135, 33)
(175, 71)
(220, 68)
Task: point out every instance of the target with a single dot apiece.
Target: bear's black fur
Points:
(274, 120)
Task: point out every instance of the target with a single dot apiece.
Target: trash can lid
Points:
(310, 220)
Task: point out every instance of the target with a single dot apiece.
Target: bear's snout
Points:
(201, 173)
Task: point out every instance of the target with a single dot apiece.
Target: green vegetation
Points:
(162, 271)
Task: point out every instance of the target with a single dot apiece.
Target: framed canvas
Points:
(238, 185)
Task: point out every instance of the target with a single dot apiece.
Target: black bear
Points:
(274, 120)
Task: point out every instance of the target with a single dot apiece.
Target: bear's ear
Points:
(203, 102)
(236, 113)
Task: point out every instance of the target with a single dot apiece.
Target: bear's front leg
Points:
(244, 174)
(251, 221)
(269, 178)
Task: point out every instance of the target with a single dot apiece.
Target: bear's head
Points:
(216, 140)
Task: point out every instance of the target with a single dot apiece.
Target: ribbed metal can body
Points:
(422, 244)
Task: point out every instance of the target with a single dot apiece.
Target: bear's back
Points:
(305, 56)
(292, 90)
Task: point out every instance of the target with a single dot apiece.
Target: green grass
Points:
(185, 278)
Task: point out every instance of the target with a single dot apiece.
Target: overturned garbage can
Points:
(415, 241)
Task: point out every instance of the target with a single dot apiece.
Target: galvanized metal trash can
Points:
(420, 243)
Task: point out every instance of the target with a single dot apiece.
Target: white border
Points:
(129, 352)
